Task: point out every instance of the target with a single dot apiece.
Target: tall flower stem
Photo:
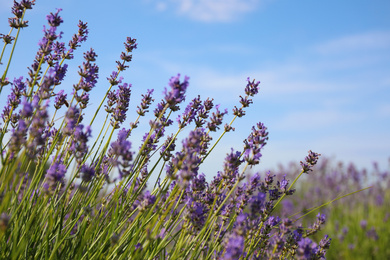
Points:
(12, 51)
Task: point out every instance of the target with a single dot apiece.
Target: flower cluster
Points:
(70, 192)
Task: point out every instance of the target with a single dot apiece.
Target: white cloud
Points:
(209, 10)
(161, 6)
(358, 42)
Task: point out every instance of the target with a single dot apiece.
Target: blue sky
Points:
(324, 66)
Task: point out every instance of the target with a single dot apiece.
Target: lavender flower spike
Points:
(177, 92)
(55, 176)
(310, 161)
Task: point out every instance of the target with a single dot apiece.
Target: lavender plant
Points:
(358, 224)
(69, 193)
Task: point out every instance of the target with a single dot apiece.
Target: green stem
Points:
(12, 51)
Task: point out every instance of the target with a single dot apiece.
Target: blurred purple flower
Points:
(234, 248)
(147, 201)
(55, 176)
(372, 234)
(363, 224)
(27, 110)
(79, 146)
(54, 20)
(120, 153)
(18, 137)
(176, 94)
(87, 172)
(196, 213)
(73, 117)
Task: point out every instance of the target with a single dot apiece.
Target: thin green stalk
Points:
(12, 51)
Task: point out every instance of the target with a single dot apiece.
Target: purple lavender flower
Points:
(199, 183)
(7, 39)
(159, 108)
(80, 37)
(257, 204)
(189, 112)
(254, 143)
(372, 234)
(325, 242)
(82, 99)
(283, 186)
(56, 54)
(122, 104)
(38, 132)
(60, 99)
(54, 20)
(147, 201)
(203, 112)
(216, 119)
(126, 57)
(17, 10)
(27, 110)
(316, 225)
(230, 168)
(252, 88)
(245, 101)
(167, 148)
(149, 140)
(239, 112)
(310, 161)
(111, 101)
(14, 98)
(18, 137)
(363, 224)
(234, 248)
(176, 94)
(138, 247)
(113, 79)
(306, 249)
(130, 44)
(79, 142)
(188, 160)
(274, 194)
(72, 118)
(120, 153)
(196, 213)
(17, 23)
(55, 176)
(87, 172)
(145, 102)
(241, 226)
(89, 72)
(45, 90)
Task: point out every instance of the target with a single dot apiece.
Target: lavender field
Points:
(76, 183)
(357, 223)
